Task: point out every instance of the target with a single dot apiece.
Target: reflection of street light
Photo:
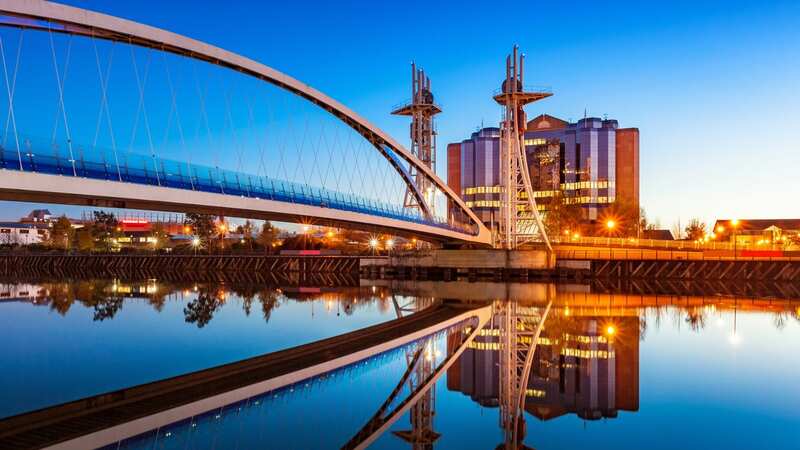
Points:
(735, 339)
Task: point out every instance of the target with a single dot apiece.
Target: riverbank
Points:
(164, 265)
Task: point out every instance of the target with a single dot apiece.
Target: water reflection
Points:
(604, 354)
(202, 300)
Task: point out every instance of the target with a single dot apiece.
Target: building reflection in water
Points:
(586, 361)
(587, 365)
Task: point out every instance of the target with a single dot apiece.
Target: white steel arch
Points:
(78, 21)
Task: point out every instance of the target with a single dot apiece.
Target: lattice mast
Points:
(422, 435)
(520, 328)
(421, 108)
(520, 221)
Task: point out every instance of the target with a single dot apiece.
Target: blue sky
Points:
(712, 86)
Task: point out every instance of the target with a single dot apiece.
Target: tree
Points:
(695, 230)
(268, 236)
(562, 218)
(85, 239)
(104, 228)
(246, 230)
(625, 217)
(61, 233)
(677, 231)
(201, 225)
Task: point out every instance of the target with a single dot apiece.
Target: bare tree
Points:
(696, 229)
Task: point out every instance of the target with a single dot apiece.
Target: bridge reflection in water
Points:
(536, 351)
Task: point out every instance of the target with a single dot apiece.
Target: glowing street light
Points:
(611, 330)
(390, 243)
(610, 224)
(373, 243)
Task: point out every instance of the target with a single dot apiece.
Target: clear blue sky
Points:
(712, 86)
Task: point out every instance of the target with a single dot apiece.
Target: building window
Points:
(23, 231)
(537, 141)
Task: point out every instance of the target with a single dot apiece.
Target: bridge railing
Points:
(103, 164)
(666, 255)
(665, 244)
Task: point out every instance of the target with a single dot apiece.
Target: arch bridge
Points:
(122, 120)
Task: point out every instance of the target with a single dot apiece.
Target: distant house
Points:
(37, 215)
(661, 235)
(756, 231)
(19, 233)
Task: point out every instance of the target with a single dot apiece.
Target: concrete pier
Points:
(450, 264)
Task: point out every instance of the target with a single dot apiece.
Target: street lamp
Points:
(195, 244)
(389, 245)
(373, 243)
(610, 224)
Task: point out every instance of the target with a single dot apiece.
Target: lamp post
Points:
(373, 243)
(610, 224)
(734, 225)
(195, 244)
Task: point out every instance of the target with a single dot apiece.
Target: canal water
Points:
(614, 367)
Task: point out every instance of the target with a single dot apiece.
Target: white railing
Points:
(664, 244)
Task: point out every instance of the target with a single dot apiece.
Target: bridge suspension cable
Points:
(313, 152)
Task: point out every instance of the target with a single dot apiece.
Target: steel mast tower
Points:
(520, 221)
(421, 436)
(423, 135)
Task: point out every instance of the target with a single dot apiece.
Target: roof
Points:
(546, 122)
(26, 225)
(760, 224)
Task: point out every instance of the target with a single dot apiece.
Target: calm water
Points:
(615, 370)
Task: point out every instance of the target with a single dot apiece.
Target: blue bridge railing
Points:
(153, 171)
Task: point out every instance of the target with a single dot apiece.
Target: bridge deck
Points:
(68, 421)
(138, 169)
